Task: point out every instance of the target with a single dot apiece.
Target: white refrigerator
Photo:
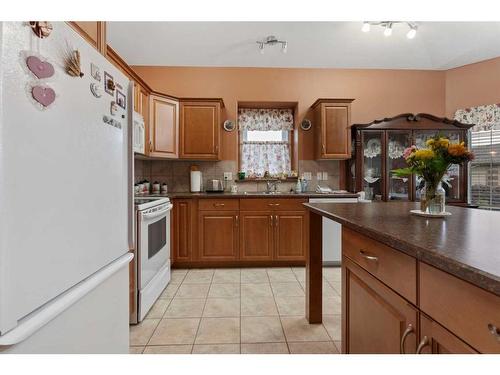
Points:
(65, 185)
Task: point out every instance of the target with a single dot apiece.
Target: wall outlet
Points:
(307, 176)
(319, 176)
(325, 176)
(228, 176)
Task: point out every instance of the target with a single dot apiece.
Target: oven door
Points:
(154, 243)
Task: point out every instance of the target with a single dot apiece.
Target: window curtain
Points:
(265, 119)
(485, 143)
(259, 157)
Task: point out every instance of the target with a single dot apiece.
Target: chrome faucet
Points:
(272, 184)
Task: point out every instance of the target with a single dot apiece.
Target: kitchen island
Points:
(411, 284)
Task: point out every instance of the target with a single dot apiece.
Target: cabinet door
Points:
(199, 130)
(335, 132)
(375, 319)
(291, 239)
(435, 339)
(94, 32)
(256, 235)
(164, 125)
(182, 230)
(218, 235)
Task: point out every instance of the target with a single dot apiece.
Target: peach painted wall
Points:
(377, 93)
(472, 85)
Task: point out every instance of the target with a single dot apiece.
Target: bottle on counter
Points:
(298, 187)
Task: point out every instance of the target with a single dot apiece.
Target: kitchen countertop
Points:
(252, 195)
(465, 244)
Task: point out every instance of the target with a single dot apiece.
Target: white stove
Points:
(152, 252)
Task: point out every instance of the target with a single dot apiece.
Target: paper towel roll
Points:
(195, 181)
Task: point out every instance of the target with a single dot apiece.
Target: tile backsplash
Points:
(175, 173)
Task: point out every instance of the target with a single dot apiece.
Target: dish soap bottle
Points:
(298, 187)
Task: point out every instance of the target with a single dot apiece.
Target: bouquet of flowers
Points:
(432, 163)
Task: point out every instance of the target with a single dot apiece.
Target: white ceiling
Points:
(438, 45)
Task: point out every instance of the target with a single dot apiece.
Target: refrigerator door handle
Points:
(36, 320)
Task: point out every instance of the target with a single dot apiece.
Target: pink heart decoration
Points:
(41, 69)
(43, 95)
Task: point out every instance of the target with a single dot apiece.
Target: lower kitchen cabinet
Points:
(256, 235)
(435, 339)
(218, 235)
(291, 235)
(182, 230)
(376, 319)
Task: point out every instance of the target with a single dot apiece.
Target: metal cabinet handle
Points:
(425, 341)
(273, 204)
(495, 331)
(237, 220)
(406, 333)
(271, 220)
(277, 220)
(219, 204)
(366, 255)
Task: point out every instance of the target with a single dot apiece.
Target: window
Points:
(265, 141)
(484, 181)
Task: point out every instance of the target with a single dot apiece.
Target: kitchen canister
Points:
(195, 179)
(164, 188)
(156, 187)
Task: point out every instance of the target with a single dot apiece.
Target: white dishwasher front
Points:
(332, 233)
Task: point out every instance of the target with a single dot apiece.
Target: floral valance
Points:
(484, 117)
(265, 119)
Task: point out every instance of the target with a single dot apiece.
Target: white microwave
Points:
(139, 137)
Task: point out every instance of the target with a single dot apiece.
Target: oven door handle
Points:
(154, 215)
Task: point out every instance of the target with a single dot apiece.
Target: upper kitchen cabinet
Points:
(94, 32)
(199, 133)
(163, 127)
(332, 128)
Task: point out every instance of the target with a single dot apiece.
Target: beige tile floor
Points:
(248, 310)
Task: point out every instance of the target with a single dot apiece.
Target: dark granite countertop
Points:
(465, 244)
(252, 195)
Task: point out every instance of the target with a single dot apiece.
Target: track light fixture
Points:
(272, 41)
(388, 26)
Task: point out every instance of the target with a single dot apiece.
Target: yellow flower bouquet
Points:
(431, 164)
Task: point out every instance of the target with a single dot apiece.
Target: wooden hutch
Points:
(378, 149)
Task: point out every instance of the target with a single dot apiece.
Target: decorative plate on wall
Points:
(229, 125)
(306, 124)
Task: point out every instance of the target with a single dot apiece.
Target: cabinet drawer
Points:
(218, 204)
(469, 312)
(395, 269)
(266, 204)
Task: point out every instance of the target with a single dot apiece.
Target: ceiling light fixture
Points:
(388, 26)
(271, 40)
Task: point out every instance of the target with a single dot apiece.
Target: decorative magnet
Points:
(95, 72)
(109, 84)
(41, 69)
(95, 88)
(113, 108)
(43, 95)
(120, 99)
(72, 62)
(42, 29)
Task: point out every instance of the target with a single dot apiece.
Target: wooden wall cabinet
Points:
(332, 128)
(199, 133)
(163, 127)
(218, 235)
(94, 32)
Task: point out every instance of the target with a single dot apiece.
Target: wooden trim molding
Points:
(441, 122)
(219, 100)
(116, 59)
(333, 101)
(100, 43)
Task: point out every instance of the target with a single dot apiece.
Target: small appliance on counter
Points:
(215, 186)
(196, 179)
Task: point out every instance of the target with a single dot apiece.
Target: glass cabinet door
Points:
(372, 163)
(398, 188)
(452, 184)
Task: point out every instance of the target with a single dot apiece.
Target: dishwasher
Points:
(332, 233)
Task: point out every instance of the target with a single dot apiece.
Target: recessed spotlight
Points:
(366, 27)
(388, 29)
(412, 32)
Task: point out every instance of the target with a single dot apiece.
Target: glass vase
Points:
(435, 199)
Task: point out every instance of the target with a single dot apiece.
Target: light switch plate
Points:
(319, 176)
(307, 176)
(325, 176)
(228, 176)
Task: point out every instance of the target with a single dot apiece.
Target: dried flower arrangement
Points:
(72, 62)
